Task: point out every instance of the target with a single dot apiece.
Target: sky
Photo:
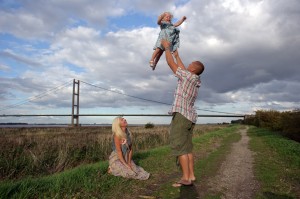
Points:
(250, 49)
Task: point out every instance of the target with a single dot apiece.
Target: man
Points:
(184, 113)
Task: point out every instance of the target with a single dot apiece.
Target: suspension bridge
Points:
(75, 113)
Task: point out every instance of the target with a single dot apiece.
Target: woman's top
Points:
(126, 144)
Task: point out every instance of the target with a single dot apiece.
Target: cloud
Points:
(4, 67)
(249, 48)
(19, 58)
(42, 20)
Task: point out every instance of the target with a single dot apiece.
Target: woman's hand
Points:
(130, 165)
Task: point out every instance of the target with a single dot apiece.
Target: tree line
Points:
(286, 123)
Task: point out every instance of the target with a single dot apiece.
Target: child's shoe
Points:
(152, 65)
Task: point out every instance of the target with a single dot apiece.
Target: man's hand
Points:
(175, 53)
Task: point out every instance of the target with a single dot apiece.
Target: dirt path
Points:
(235, 178)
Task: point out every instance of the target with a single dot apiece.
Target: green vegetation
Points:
(210, 150)
(44, 151)
(277, 164)
(149, 125)
(287, 123)
(92, 180)
(277, 168)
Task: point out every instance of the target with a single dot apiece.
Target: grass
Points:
(38, 152)
(276, 168)
(92, 181)
(277, 164)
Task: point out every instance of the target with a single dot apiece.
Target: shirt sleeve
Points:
(180, 73)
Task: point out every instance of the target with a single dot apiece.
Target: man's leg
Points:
(181, 145)
(191, 167)
(184, 163)
(187, 166)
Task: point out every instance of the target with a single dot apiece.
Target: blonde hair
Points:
(169, 14)
(116, 128)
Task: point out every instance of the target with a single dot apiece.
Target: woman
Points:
(120, 160)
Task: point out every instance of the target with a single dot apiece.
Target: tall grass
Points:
(42, 151)
(92, 180)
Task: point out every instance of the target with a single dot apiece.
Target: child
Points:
(168, 32)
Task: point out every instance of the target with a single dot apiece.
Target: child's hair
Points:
(169, 14)
(116, 129)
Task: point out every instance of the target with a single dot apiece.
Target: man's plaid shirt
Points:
(185, 94)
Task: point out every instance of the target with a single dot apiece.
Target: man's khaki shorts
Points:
(181, 133)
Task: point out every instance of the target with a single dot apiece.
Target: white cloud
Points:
(249, 49)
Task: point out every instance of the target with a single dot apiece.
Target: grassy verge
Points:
(92, 181)
(37, 152)
(277, 164)
(277, 168)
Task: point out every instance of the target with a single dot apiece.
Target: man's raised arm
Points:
(169, 58)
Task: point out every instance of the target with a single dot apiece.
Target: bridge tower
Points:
(75, 103)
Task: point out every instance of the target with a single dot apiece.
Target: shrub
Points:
(287, 123)
(149, 125)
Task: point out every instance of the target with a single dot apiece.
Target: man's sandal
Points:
(182, 183)
(193, 179)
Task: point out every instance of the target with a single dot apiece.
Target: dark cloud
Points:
(249, 48)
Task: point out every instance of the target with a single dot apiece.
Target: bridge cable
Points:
(39, 96)
(149, 100)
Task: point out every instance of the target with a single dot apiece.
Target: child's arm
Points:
(178, 23)
(160, 18)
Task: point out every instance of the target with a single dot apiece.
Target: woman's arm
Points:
(118, 145)
(130, 156)
(178, 23)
